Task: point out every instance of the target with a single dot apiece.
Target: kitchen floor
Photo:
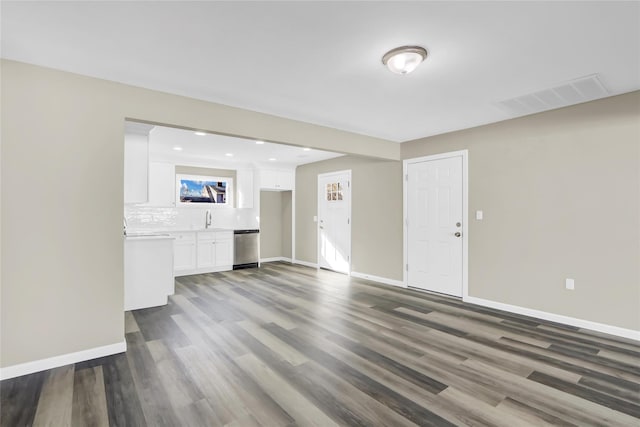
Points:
(290, 345)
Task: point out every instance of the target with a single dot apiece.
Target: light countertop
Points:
(147, 236)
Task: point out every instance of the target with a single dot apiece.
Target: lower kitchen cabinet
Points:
(148, 278)
(224, 249)
(202, 252)
(184, 252)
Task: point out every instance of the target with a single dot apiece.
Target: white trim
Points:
(293, 218)
(386, 281)
(62, 360)
(465, 213)
(558, 318)
(305, 263)
(275, 259)
(320, 199)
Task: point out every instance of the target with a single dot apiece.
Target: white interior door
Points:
(434, 225)
(334, 221)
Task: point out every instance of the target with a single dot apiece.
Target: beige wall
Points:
(560, 193)
(62, 250)
(275, 224)
(270, 224)
(376, 230)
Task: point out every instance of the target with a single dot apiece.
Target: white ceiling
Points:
(320, 62)
(213, 149)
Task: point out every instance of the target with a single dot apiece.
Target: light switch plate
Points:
(569, 284)
(479, 215)
(315, 218)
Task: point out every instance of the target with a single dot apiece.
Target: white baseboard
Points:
(305, 263)
(378, 279)
(572, 321)
(62, 360)
(275, 259)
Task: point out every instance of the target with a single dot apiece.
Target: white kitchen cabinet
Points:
(136, 168)
(244, 182)
(206, 252)
(148, 276)
(215, 250)
(162, 184)
(281, 180)
(224, 249)
(184, 252)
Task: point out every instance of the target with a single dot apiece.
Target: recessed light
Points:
(307, 149)
(272, 159)
(229, 154)
(200, 133)
(259, 142)
(176, 148)
(405, 59)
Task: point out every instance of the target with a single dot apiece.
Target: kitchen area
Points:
(192, 205)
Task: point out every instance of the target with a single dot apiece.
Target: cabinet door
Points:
(206, 253)
(162, 184)
(244, 182)
(184, 256)
(268, 179)
(224, 252)
(286, 180)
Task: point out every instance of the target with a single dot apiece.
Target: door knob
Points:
(458, 234)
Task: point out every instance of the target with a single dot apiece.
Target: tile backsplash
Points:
(153, 218)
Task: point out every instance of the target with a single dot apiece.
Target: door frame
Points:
(320, 198)
(465, 213)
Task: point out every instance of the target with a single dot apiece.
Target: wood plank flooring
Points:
(287, 345)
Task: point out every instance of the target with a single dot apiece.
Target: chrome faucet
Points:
(207, 219)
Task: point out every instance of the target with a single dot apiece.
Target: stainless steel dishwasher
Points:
(246, 245)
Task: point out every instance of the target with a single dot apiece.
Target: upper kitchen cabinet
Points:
(162, 184)
(136, 162)
(244, 183)
(280, 180)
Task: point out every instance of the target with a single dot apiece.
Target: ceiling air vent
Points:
(574, 92)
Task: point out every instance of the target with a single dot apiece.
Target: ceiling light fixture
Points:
(307, 149)
(176, 148)
(272, 159)
(259, 142)
(405, 59)
(200, 133)
(229, 154)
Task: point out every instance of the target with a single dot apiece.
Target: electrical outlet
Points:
(479, 215)
(569, 284)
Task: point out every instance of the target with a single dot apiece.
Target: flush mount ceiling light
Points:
(177, 148)
(405, 59)
(259, 142)
(200, 133)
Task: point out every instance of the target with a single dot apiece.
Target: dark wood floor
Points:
(287, 345)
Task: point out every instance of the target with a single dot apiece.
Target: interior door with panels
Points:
(434, 225)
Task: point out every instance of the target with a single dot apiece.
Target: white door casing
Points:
(334, 221)
(436, 223)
